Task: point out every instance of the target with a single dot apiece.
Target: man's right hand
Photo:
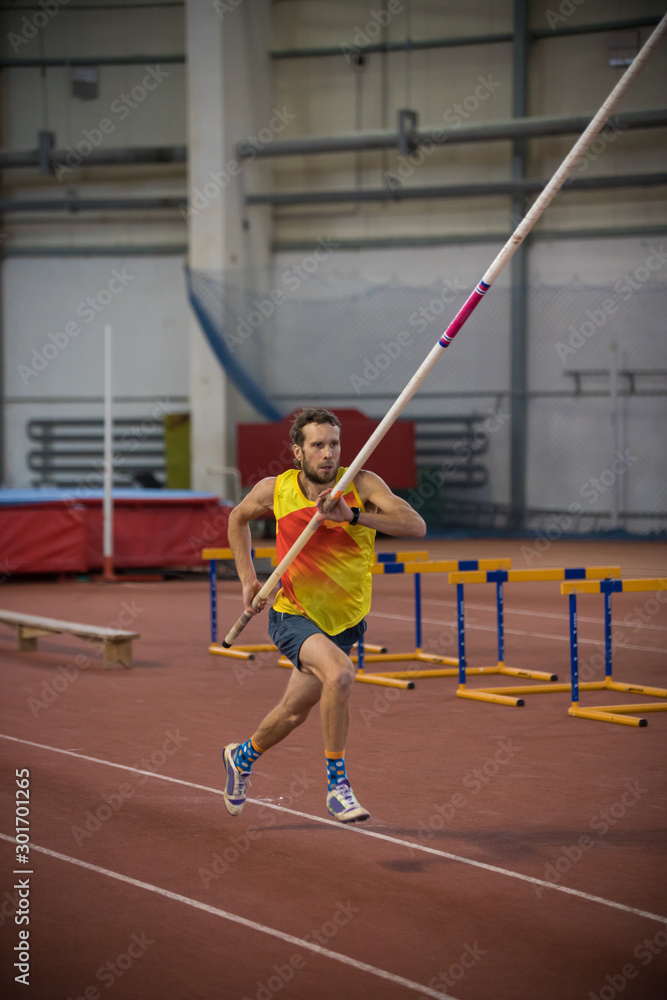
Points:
(249, 591)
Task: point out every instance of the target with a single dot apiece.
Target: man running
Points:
(318, 614)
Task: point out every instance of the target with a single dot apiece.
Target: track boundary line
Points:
(244, 922)
(494, 869)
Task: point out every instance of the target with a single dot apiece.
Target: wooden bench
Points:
(116, 644)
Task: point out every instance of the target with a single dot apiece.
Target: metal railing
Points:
(70, 452)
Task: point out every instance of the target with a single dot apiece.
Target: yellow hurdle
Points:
(247, 650)
(269, 552)
(405, 678)
(446, 666)
(612, 713)
(512, 695)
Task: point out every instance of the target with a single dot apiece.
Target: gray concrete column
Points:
(228, 99)
(519, 278)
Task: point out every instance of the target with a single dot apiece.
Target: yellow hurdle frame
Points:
(406, 678)
(247, 650)
(619, 714)
(512, 695)
(444, 666)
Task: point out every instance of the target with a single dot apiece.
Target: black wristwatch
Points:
(355, 516)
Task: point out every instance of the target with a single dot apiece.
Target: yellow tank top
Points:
(330, 580)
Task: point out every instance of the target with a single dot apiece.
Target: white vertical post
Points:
(622, 433)
(615, 434)
(107, 552)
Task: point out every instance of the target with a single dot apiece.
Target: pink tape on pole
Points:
(471, 303)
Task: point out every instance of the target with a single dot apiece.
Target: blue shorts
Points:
(289, 632)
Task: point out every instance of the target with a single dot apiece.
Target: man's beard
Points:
(320, 478)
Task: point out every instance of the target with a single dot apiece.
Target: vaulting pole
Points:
(471, 303)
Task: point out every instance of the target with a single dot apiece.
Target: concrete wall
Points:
(55, 312)
(54, 261)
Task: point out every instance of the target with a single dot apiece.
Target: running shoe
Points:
(236, 786)
(343, 805)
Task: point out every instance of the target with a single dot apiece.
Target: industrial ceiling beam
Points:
(41, 62)
(412, 44)
(512, 187)
(74, 205)
(440, 135)
(10, 159)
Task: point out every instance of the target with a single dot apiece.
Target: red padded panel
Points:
(265, 449)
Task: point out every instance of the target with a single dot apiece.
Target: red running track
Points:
(511, 853)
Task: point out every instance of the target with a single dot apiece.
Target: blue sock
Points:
(246, 754)
(335, 768)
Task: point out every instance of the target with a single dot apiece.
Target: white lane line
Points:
(515, 631)
(244, 922)
(359, 830)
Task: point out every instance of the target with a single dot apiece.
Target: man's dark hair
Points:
(311, 415)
